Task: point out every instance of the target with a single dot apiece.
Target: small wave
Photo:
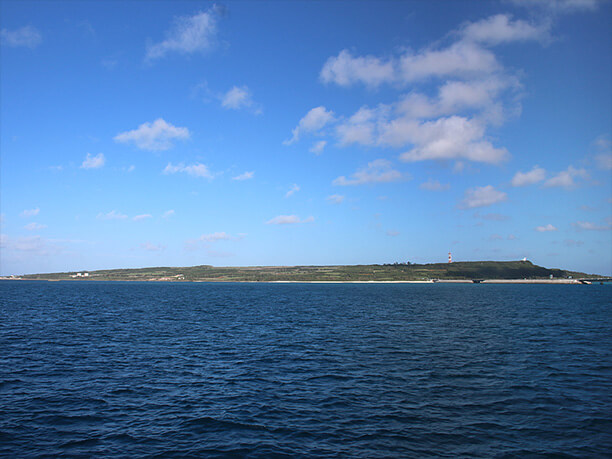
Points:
(81, 443)
(210, 423)
(333, 377)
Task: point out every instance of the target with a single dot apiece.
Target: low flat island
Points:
(471, 272)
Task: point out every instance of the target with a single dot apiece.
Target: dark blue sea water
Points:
(92, 369)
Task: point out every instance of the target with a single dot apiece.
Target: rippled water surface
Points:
(311, 370)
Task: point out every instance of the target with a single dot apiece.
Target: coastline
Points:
(441, 281)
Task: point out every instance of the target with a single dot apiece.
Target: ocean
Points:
(101, 369)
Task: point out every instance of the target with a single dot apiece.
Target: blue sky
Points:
(282, 133)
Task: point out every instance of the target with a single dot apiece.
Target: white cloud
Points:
(26, 36)
(34, 226)
(460, 59)
(474, 91)
(589, 226)
(434, 185)
(535, 175)
(155, 136)
(218, 236)
(168, 213)
(294, 189)
(112, 215)
(152, 247)
(288, 220)
(604, 157)
(454, 137)
(30, 212)
(346, 70)
(361, 127)
(481, 197)
(244, 176)
(313, 121)
(545, 228)
(604, 161)
(561, 6)
(335, 198)
(239, 97)
(378, 171)
(566, 178)
(189, 34)
(318, 147)
(93, 162)
(502, 29)
(141, 217)
(196, 170)
(392, 233)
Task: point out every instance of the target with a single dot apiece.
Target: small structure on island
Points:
(450, 257)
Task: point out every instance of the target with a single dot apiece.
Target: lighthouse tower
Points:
(450, 257)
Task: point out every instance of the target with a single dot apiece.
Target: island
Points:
(469, 271)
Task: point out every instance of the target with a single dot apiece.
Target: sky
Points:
(169, 133)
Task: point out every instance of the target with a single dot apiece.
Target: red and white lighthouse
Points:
(450, 257)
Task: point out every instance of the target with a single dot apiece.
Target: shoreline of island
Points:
(487, 272)
(441, 281)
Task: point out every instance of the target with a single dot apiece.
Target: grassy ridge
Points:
(388, 272)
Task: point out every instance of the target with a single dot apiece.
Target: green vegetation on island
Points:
(491, 270)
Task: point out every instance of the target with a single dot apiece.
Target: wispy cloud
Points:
(188, 35)
(434, 185)
(34, 226)
(244, 176)
(492, 217)
(112, 215)
(313, 121)
(561, 6)
(566, 178)
(93, 162)
(141, 217)
(378, 171)
(481, 197)
(240, 97)
(288, 220)
(168, 213)
(466, 57)
(30, 212)
(34, 245)
(603, 158)
(155, 136)
(501, 28)
(148, 246)
(219, 236)
(545, 228)
(590, 226)
(196, 170)
(294, 189)
(27, 36)
(335, 198)
(318, 147)
(535, 175)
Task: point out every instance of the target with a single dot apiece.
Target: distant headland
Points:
(468, 271)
